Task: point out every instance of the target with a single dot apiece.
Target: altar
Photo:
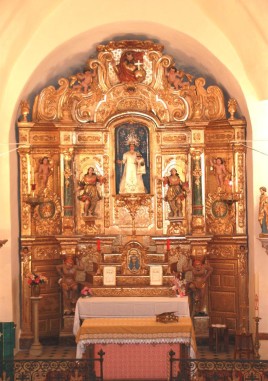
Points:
(130, 342)
(128, 307)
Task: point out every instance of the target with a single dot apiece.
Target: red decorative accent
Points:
(168, 244)
(98, 244)
(33, 187)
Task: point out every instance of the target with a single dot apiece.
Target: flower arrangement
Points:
(179, 285)
(86, 291)
(36, 279)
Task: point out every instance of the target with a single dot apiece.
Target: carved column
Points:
(196, 151)
(26, 317)
(68, 192)
(239, 181)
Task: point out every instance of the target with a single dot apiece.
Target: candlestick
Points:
(257, 339)
(33, 188)
(257, 284)
(168, 244)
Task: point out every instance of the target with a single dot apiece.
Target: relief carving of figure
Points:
(83, 80)
(90, 195)
(130, 67)
(176, 192)
(263, 210)
(176, 78)
(68, 284)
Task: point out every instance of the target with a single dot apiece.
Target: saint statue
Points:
(176, 192)
(134, 167)
(90, 195)
(263, 210)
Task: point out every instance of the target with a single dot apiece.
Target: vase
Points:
(36, 290)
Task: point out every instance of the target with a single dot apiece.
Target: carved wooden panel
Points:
(223, 292)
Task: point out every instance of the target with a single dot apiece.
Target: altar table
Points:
(128, 307)
(136, 347)
(144, 330)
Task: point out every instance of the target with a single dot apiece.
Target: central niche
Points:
(132, 161)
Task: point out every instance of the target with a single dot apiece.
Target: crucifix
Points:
(138, 64)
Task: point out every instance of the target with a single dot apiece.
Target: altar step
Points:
(133, 291)
(133, 281)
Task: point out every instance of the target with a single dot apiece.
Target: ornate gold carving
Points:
(133, 202)
(93, 96)
(120, 291)
(220, 215)
(44, 137)
(232, 108)
(45, 252)
(25, 110)
(130, 44)
(174, 138)
(47, 214)
(88, 138)
(198, 224)
(68, 225)
(177, 228)
(213, 137)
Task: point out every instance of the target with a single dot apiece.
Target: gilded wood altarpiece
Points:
(129, 93)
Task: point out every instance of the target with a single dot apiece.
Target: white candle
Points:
(257, 284)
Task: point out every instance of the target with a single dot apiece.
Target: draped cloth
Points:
(134, 331)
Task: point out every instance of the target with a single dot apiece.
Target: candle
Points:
(98, 245)
(256, 300)
(257, 284)
(168, 244)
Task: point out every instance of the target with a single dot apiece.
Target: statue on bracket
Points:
(43, 173)
(263, 210)
(90, 195)
(176, 192)
(219, 169)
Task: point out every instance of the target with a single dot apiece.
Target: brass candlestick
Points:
(257, 339)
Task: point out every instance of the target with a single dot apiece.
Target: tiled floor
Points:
(69, 352)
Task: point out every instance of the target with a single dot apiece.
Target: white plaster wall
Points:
(38, 38)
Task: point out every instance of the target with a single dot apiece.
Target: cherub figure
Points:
(175, 78)
(84, 80)
(44, 171)
(219, 170)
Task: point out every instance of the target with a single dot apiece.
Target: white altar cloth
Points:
(128, 307)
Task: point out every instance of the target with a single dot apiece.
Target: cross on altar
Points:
(138, 64)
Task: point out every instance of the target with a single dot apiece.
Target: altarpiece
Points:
(133, 163)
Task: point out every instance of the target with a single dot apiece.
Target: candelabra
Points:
(257, 339)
